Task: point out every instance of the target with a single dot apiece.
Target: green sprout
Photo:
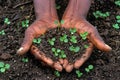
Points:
(51, 41)
(98, 14)
(7, 21)
(62, 55)
(56, 22)
(90, 67)
(74, 49)
(73, 30)
(56, 51)
(73, 39)
(58, 6)
(84, 35)
(86, 46)
(62, 21)
(57, 73)
(116, 26)
(4, 67)
(25, 23)
(64, 38)
(37, 41)
(79, 74)
(2, 32)
(117, 2)
(118, 18)
(25, 60)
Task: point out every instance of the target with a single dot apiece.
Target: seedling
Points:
(51, 41)
(73, 39)
(58, 6)
(118, 18)
(90, 67)
(4, 67)
(57, 73)
(7, 21)
(56, 51)
(116, 26)
(73, 30)
(64, 38)
(2, 32)
(98, 14)
(86, 46)
(62, 21)
(25, 60)
(37, 41)
(79, 74)
(62, 55)
(74, 49)
(84, 35)
(117, 2)
(25, 23)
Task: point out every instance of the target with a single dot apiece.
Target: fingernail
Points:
(108, 46)
(19, 50)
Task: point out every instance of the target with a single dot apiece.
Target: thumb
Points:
(98, 42)
(27, 41)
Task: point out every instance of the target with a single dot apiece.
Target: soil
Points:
(56, 33)
(106, 65)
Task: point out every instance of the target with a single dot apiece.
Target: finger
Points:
(27, 42)
(65, 63)
(69, 68)
(78, 63)
(98, 42)
(57, 66)
(61, 61)
(41, 56)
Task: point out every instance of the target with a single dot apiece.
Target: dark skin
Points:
(74, 17)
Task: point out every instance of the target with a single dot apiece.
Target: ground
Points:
(106, 65)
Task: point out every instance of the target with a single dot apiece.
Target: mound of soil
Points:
(57, 33)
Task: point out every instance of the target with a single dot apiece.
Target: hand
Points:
(45, 17)
(75, 17)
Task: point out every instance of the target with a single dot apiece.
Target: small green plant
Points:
(73, 30)
(116, 26)
(7, 21)
(25, 23)
(79, 74)
(90, 67)
(56, 51)
(118, 18)
(62, 55)
(56, 22)
(64, 38)
(84, 35)
(98, 14)
(73, 39)
(58, 6)
(62, 21)
(4, 67)
(74, 49)
(51, 41)
(37, 41)
(117, 2)
(25, 60)
(86, 46)
(2, 32)
(57, 73)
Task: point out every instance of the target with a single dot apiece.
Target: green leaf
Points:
(57, 73)
(118, 21)
(116, 26)
(2, 64)
(58, 6)
(56, 22)
(118, 17)
(2, 70)
(86, 46)
(56, 54)
(53, 39)
(7, 66)
(37, 41)
(73, 30)
(65, 40)
(53, 49)
(77, 49)
(62, 21)
(79, 74)
(25, 59)
(87, 70)
(90, 67)
(58, 50)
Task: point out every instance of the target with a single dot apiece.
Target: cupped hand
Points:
(82, 25)
(38, 28)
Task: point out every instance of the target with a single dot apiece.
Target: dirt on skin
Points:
(106, 65)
